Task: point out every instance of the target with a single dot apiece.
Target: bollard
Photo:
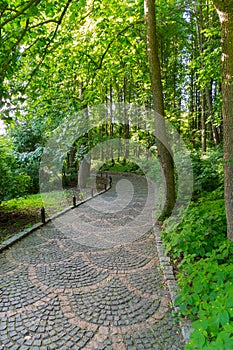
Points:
(74, 201)
(42, 211)
(92, 192)
(110, 181)
(105, 187)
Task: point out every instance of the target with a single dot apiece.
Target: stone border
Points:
(171, 282)
(7, 243)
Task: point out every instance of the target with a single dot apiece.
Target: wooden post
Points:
(42, 211)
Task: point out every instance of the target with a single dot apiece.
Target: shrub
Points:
(205, 278)
(13, 181)
(206, 297)
(202, 229)
(208, 170)
(121, 166)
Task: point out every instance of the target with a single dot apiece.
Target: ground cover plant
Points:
(203, 259)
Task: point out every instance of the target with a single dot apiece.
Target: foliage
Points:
(121, 166)
(201, 230)
(205, 257)
(13, 180)
(206, 297)
(36, 201)
(208, 170)
(58, 57)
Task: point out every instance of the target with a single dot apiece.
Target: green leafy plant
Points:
(201, 230)
(198, 245)
(208, 170)
(14, 182)
(206, 298)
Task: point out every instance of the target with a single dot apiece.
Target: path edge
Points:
(167, 270)
(18, 236)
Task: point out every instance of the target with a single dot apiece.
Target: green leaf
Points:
(178, 300)
(228, 327)
(198, 338)
(223, 317)
(229, 343)
(198, 285)
(200, 324)
(229, 302)
(214, 325)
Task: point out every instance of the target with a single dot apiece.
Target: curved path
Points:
(89, 279)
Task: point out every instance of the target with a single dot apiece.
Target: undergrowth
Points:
(204, 259)
(121, 166)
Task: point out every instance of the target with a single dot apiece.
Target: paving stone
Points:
(89, 276)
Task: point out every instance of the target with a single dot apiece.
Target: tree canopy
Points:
(60, 57)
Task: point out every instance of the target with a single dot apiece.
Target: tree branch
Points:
(114, 39)
(49, 43)
(19, 13)
(100, 64)
(13, 49)
(42, 23)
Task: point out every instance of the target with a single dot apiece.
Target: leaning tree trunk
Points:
(164, 153)
(225, 12)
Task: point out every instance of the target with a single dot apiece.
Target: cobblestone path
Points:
(89, 279)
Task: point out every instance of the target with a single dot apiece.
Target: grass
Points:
(20, 213)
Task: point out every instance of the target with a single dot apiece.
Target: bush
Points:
(208, 170)
(29, 163)
(202, 229)
(206, 296)
(121, 166)
(205, 278)
(13, 181)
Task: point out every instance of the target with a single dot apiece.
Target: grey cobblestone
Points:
(41, 254)
(118, 259)
(114, 304)
(18, 291)
(149, 281)
(90, 279)
(71, 274)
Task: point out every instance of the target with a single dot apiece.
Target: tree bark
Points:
(83, 173)
(203, 122)
(225, 12)
(164, 153)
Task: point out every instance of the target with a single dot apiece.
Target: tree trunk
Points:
(203, 123)
(111, 124)
(83, 173)
(126, 124)
(164, 153)
(225, 12)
